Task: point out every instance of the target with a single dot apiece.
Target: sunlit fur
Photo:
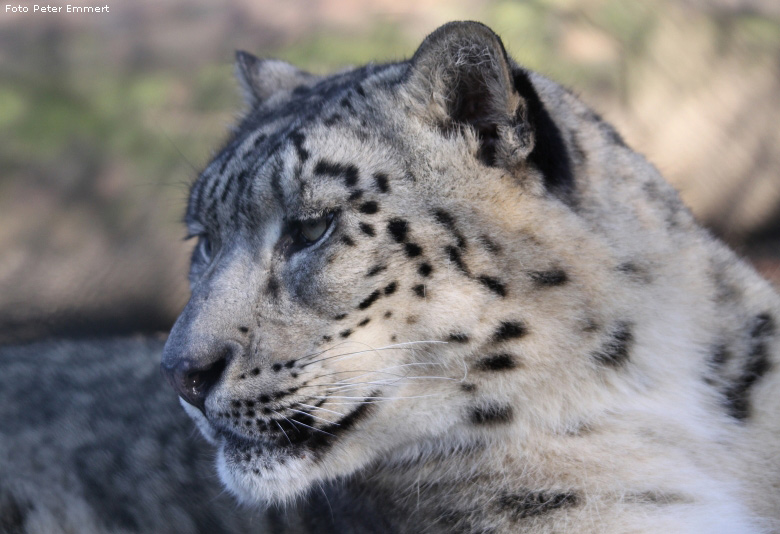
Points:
(512, 324)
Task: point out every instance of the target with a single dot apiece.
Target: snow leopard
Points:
(449, 287)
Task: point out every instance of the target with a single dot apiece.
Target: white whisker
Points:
(283, 417)
(377, 398)
(312, 415)
(283, 432)
(406, 345)
(312, 428)
(320, 408)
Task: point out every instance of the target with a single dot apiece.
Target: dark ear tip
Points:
(468, 28)
(245, 59)
(464, 29)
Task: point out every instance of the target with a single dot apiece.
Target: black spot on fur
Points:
(272, 287)
(340, 316)
(412, 249)
(349, 173)
(628, 268)
(357, 194)
(298, 139)
(398, 228)
(590, 325)
(425, 269)
(327, 338)
(532, 504)
(381, 182)
(347, 240)
(276, 367)
(459, 337)
(492, 414)
(489, 244)
(496, 362)
(556, 277)
(656, 498)
(493, 284)
(388, 314)
(616, 350)
(333, 119)
(509, 330)
(635, 272)
(258, 141)
(391, 287)
(419, 290)
(446, 220)
(468, 387)
(367, 229)
(346, 104)
(376, 269)
(454, 255)
(369, 208)
(255, 371)
(756, 365)
(243, 329)
(345, 333)
(369, 300)
(442, 217)
(222, 168)
(364, 322)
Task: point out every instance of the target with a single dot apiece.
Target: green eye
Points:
(310, 231)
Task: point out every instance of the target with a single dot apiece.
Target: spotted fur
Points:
(509, 321)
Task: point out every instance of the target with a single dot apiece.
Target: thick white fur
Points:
(646, 445)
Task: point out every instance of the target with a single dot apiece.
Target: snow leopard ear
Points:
(461, 75)
(261, 78)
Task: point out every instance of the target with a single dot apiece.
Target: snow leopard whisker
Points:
(406, 345)
(375, 398)
(369, 371)
(283, 417)
(320, 408)
(401, 377)
(312, 415)
(390, 381)
(283, 432)
(312, 428)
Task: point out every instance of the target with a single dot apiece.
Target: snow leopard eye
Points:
(203, 249)
(309, 231)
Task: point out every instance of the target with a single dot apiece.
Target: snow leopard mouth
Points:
(293, 432)
(268, 468)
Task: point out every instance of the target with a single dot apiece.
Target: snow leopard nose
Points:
(193, 377)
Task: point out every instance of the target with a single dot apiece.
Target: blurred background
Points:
(105, 119)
